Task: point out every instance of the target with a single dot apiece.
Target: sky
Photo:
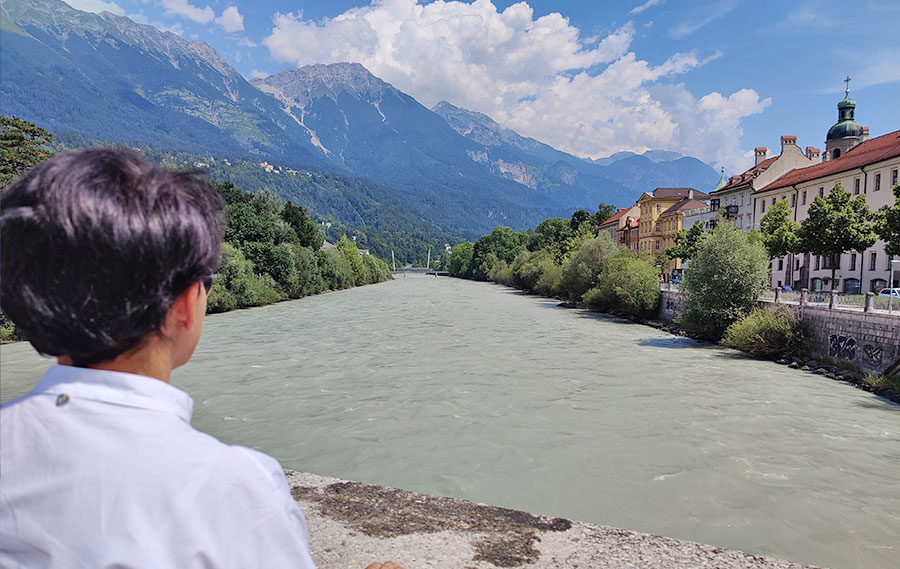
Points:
(707, 78)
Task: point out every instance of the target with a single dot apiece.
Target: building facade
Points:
(652, 205)
(870, 167)
(614, 223)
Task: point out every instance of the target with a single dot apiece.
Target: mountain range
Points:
(106, 78)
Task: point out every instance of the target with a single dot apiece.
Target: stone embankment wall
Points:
(868, 341)
(352, 524)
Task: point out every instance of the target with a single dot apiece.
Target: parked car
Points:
(889, 292)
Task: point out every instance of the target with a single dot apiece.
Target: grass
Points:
(882, 381)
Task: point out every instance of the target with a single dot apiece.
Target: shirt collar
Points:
(116, 387)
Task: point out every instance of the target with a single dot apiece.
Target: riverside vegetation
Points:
(272, 249)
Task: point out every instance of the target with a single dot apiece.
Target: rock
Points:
(813, 364)
(781, 361)
(821, 371)
(806, 368)
(832, 375)
(794, 365)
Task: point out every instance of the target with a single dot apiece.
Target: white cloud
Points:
(257, 74)
(97, 6)
(535, 75)
(231, 20)
(702, 16)
(246, 42)
(138, 17)
(174, 28)
(645, 5)
(187, 10)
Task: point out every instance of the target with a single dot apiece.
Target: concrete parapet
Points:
(352, 524)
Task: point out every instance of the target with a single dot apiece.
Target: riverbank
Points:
(352, 524)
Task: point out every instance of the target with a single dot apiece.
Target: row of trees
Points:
(836, 223)
(563, 258)
(273, 252)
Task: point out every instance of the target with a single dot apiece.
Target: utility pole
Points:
(428, 266)
(393, 262)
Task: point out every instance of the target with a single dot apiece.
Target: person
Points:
(106, 263)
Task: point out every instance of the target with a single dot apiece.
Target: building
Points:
(736, 198)
(652, 205)
(629, 233)
(614, 223)
(671, 222)
(870, 168)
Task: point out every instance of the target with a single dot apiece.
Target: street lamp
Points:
(891, 286)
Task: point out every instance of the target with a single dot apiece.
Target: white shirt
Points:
(102, 469)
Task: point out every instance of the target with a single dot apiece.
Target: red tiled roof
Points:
(686, 204)
(616, 216)
(747, 176)
(869, 152)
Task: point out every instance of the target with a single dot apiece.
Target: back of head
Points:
(96, 247)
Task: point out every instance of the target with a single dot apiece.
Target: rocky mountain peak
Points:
(311, 82)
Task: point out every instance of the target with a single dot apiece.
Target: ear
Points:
(182, 316)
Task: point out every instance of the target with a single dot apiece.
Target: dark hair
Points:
(96, 247)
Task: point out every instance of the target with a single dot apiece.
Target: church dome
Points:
(845, 126)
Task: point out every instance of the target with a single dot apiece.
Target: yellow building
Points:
(671, 221)
(652, 233)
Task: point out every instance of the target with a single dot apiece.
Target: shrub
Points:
(548, 283)
(529, 267)
(236, 274)
(334, 269)
(501, 273)
(628, 284)
(765, 332)
(460, 262)
(580, 271)
(8, 331)
(723, 281)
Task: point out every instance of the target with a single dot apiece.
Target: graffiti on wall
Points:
(845, 347)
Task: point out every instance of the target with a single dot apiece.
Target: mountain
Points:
(109, 78)
(624, 175)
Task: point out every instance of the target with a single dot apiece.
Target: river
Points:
(477, 391)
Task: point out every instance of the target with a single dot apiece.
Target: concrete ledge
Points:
(352, 524)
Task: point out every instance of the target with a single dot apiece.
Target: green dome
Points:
(844, 129)
(845, 126)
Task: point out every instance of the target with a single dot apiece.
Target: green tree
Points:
(686, 242)
(306, 229)
(579, 217)
(779, 231)
(836, 223)
(580, 271)
(552, 234)
(604, 212)
(502, 244)
(887, 224)
(723, 281)
(22, 144)
(460, 260)
(628, 283)
(246, 225)
(351, 254)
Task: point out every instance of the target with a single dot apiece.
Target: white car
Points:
(894, 292)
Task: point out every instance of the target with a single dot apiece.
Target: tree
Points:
(779, 231)
(460, 261)
(580, 271)
(306, 228)
(501, 244)
(22, 145)
(686, 242)
(723, 281)
(628, 283)
(579, 217)
(552, 234)
(887, 224)
(835, 224)
(604, 212)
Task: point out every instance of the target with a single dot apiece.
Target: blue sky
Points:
(712, 79)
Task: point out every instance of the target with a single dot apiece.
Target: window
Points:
(762, 205)
(713, 205)
(658, 208)
(893, 177)
(877, 181)
(851, 286)
(818, 262)
(773, 201)
(817, 284)
(821, 191)
(657, 243)
(803, 199)
(831, 262)
(853, 261)
(836, 153)
(797, 264)
(657, 226)
(855, 186)
(878, 284)
(872, 260)
(780, 264)
(793, 200)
